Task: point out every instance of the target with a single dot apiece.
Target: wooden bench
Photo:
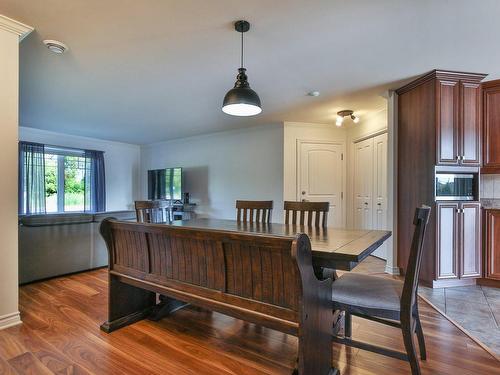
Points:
(266, 280)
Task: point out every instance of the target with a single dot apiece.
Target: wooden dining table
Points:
(334, 249)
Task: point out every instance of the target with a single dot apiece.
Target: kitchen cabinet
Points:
(458, 235)
(491, 124)
(439, 128)
(458, 126)
(492, 244)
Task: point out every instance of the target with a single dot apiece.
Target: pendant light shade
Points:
(241, 100)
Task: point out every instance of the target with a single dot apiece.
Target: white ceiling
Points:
(151, 70)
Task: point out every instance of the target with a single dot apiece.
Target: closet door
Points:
(380, 189)
(363, 184)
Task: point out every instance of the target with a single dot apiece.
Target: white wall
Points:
(10, 31)
(122, 163)
(220, 168)
(294, 131)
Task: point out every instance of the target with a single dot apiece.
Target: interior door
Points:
(380, 189)
(320, 177)
(363, 184)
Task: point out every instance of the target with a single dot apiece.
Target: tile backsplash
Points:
(490, 186)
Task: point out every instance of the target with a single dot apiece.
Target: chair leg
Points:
(407, 330)
(421, 341)
(348, 325)
(420, 335)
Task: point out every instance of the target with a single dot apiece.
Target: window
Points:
(64, 181)
(57, 179)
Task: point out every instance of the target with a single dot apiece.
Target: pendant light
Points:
(241, 100)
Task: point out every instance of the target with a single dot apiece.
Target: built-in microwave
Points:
(456, 186)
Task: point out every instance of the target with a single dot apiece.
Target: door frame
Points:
(298, 147)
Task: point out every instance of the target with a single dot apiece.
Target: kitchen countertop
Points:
(490, 203)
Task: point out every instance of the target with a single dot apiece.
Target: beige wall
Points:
(10, 32)
(294, 131)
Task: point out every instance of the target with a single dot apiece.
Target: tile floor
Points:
(475, 308)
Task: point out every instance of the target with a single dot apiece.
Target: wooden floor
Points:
(61, 335)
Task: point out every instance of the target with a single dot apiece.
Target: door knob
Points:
(379, 204)
(366, 203)
(303, 192)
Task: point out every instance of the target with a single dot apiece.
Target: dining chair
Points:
(254, 211)
(387, 301)
(299, 210)
(157, 211)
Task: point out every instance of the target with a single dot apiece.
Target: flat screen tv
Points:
(165, 184)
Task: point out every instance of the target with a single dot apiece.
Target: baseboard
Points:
(10, 320)
(449, 283)
(489, 282)
(392, 270)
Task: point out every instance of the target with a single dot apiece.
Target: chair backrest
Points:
(420, 221)
(263, 279)
(158, 211)
(316, 212)
(254, 211)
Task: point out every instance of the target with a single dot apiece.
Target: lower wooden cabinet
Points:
(458, 255)
(492, 248)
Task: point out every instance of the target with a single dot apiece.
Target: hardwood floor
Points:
(61, 335)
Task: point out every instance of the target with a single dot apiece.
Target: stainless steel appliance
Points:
(456, 186)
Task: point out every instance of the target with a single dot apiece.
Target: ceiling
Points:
(152, 70)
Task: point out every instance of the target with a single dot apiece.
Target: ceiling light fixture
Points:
(241, 100)
(313, 93)
(342, 114)
(55, 46)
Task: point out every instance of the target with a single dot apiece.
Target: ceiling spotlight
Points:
(346, 113)
(339, 121)
(313, 93)
(55, 46)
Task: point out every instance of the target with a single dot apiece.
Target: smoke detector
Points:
(55, 46)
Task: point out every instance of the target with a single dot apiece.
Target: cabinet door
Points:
(470, 124)
(447, 122)
(493, 244)
(491, 119)
(470, 240)
(447, 241)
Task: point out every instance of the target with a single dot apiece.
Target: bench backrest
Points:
(258, 278)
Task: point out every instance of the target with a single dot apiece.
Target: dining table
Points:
(332, 248)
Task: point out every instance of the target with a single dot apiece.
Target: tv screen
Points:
(165, 184)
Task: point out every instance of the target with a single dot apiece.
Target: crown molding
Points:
(15, 27)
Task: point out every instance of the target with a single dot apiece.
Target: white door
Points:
(363, 182)
(380, 189)
(320, 177)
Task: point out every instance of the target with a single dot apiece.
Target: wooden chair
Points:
(386, 301)
(316, 209)
(158, 211)
(254, 211)
(239, 274)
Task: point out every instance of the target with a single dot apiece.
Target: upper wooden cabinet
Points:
(458, 118)
(491, 123)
